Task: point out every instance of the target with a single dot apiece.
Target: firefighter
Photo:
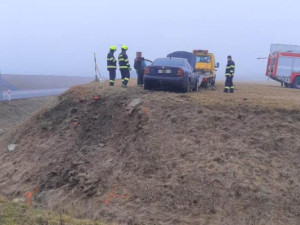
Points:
(112, 65)
(229, 75)
(124, 66)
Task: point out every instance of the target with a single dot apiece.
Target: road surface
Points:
(33, 93)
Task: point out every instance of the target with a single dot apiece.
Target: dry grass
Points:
(16, 214)
(264, 95)
(199, 158)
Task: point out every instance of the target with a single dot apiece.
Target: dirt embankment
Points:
(14, 112)
(138, 157)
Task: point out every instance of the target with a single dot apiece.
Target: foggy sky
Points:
(59, 37)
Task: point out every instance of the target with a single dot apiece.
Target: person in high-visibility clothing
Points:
(111, 65)
(124, 66)
(229, 75)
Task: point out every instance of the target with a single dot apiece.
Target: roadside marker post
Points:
(96, 67)
(9, 96)
(98, 76)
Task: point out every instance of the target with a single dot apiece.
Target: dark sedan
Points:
(171, 73)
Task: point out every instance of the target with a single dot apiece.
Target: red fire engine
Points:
(284, 65)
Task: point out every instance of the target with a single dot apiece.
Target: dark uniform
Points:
(139, 66)
(124, 68)
(229, 76)
(111, 67)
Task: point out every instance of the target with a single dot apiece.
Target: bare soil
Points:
(138, 157)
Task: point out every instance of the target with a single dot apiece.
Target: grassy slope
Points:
(17, 213)
(266, 96)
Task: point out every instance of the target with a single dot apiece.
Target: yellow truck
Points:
(205, 66)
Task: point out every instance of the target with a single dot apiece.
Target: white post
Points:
(98, 76)
(9, 92)
(95, 60)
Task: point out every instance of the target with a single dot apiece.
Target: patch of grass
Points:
(19, 214)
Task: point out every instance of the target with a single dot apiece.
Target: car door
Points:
(148, 62)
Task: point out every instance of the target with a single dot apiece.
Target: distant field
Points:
(14, 112)
(28, 82)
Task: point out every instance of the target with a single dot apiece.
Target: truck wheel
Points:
(213, 81)
(287, 85)
(296, 83)
(205, 84)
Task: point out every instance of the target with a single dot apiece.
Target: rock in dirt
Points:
(18, 200)
(101, 145)
(134, 104)
(11, 147)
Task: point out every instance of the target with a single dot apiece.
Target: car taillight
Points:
(147, 71)
(180, 73)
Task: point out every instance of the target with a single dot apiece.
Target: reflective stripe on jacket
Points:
(230, 68)
(123, 61)
(111, 61)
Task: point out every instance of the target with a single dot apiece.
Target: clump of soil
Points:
(136, 157)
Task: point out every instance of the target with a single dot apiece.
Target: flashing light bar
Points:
(200, 51)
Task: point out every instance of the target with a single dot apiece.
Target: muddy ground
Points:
(138, 157)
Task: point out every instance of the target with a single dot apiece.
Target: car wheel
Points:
(186, 89)
(146, 86)
(296, 83)
(196, 88)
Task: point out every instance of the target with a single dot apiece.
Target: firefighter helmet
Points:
(113, 48)
(124, 47)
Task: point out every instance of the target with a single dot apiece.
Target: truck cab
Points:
(205, 62)
(284, 65)
(206, 67)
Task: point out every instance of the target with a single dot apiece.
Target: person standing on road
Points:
(124, 66)
(112, 65)
(139, 66)
(229, 75)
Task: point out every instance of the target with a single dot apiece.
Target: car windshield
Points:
(203, 59)
(169, 62)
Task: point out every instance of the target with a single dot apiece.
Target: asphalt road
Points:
(33, 93)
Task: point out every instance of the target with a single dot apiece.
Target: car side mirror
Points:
(217, 65)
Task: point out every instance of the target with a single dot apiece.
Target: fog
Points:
(59, 37)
